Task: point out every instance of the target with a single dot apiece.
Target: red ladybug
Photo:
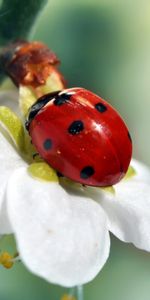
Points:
(81, 136)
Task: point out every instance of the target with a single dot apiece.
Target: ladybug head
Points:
(38, 105)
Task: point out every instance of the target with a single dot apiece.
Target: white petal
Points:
(10, 99)
(142, 171)
(61, 237)
(128, 212)
(9, 161)
(5, 226)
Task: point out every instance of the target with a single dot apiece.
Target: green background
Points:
(103, 46)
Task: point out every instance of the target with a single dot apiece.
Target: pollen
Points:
(68, 297)
(6, 260)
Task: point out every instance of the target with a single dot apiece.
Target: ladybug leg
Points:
(35, 155)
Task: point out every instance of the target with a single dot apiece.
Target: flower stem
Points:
(72, 292)
(75, 293)
(80, 295)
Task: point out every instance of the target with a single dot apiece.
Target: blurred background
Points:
(103, 45)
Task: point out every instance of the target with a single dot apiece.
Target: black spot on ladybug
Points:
(121, 169)
(47, 144)
(100, 107)
(129, 136)
(76, 127)
(62, 99)
(38, 105)
(86, 172)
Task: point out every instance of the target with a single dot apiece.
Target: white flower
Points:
(62, 231)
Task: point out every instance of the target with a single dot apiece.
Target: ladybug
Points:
(81, 136)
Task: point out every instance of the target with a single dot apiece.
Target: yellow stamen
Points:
(68, 297)
(43, 171)
(6, 260)
(108, 189)
(26, 99)
(130, 173)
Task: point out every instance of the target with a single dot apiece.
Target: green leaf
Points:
(13, 125)
(8, 85)
(17, 18)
